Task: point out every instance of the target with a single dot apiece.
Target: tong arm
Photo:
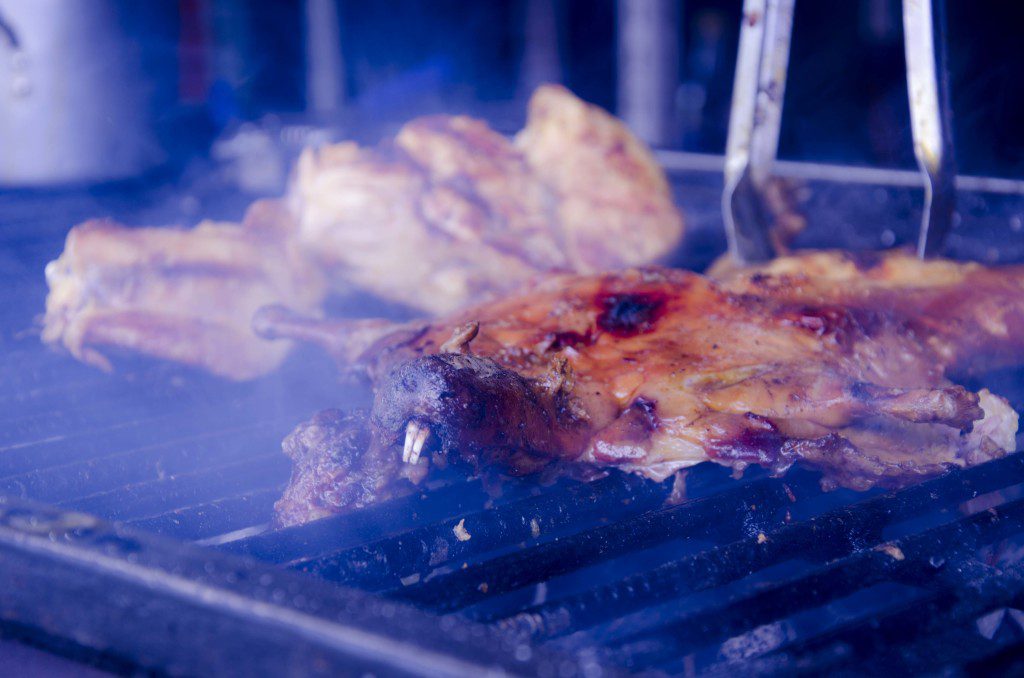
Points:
(754, 121)
(930, 118)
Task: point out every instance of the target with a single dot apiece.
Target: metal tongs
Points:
(756, 115)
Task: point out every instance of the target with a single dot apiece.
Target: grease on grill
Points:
(461, 533)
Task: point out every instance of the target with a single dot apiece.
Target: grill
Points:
(135, 507)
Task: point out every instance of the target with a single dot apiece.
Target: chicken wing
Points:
(655, 370)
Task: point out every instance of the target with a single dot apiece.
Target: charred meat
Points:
(654, 370)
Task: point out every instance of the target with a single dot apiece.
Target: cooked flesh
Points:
(968, 314)
(654, 370)
(446, 213)
(174, 294)
(451, 211)
(612, 201)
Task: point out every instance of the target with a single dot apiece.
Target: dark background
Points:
(222, 61)
(212, 65)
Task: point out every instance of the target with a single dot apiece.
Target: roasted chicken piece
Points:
(452, 211)
(612, 201)
(446, 213)
(449, 213)
(654, 370)
(176, 294)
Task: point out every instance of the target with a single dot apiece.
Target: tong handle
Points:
(924, 31)
(754, 122)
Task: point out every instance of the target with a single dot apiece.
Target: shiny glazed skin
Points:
(721, 372)
(654, 370)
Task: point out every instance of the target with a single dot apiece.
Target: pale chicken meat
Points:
(175, 294)
(447, 213)
(654, 370)
(613, 202)
(452, 212)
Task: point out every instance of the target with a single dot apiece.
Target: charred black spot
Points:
(569, 339)
(626, 315)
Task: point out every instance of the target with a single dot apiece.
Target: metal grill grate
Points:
(768, 575)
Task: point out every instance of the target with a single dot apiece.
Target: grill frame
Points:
(130, 600)
(81, 453)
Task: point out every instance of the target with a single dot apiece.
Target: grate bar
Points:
(83, 480)
(827, 536)
(212, 518)
(854, 646)
(134, 434)
(903, 560)
(728, 512)
(22, 426)
(965, 593)
(384, 563)
(954, 646)
(148, 499)
(999, 659)
(122, 593)
(336, 533)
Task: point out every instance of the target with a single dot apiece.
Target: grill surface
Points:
(770, 575)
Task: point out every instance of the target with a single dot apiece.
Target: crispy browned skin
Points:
(655, 370)
(968, 314)
(447, 213)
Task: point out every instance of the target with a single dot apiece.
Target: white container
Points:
(72, 98)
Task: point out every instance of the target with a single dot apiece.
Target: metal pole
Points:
(648, 50)
(325, 70)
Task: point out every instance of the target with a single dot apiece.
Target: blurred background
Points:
(99, 90)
